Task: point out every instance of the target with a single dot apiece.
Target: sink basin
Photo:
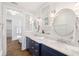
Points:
(37, 35)
(40, 36)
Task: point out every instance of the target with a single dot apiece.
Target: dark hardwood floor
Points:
(14, 49)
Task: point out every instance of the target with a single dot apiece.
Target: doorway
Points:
(14, 26)
(9, 28)
(8, 33)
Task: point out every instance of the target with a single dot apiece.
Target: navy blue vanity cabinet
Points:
(46, 51)
(38, 49)
(33, 46)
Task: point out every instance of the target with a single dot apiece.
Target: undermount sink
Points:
(39, 36)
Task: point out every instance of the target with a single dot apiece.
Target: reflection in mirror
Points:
(64, 22)
(46, 21)
(36, 25)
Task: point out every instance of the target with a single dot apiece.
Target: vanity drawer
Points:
(36, 52)
(37, 46)
(33, 42)
(37, 49)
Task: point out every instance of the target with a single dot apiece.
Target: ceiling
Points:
(35, 7)
(30, 6)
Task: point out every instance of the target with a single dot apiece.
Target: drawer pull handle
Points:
(36, 44)
(32, 47)
(32, 42)
(36, 50)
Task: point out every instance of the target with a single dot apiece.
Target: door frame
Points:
(5, 6)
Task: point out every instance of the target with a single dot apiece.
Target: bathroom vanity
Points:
(41, 46)
(60, 42)
(40, 49)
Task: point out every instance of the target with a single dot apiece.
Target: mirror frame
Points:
(54, 22)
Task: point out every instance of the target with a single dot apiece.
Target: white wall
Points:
(0, 28)
(17, 22)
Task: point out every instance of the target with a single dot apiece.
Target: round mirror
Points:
(64, 22)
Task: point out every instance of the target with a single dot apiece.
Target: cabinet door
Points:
(27, 43)
(37, 47)
(31, 46)
(34, 48)
(46, 51)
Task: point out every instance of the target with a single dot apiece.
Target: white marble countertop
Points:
(61, 47)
